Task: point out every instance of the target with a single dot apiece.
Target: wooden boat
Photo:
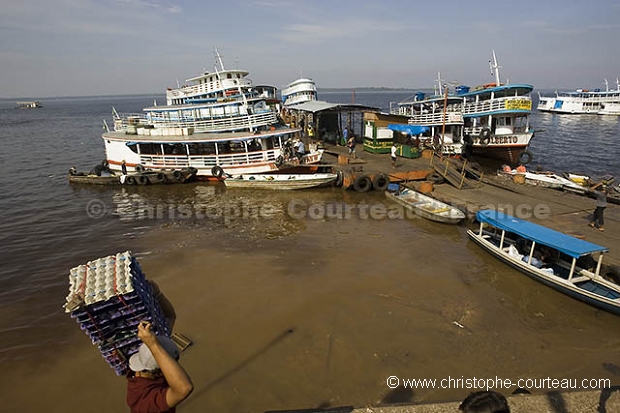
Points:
(426, 206)
(574, 265)
(280, 181)
(547, 179)
(140, 178)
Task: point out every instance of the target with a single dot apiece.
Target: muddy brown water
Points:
(291, 306)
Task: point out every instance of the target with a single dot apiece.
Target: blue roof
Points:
(571, 246)
(410, 129)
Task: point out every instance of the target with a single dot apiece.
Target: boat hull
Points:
(144, 178)
(281, 181)
(426, 207)
(612, 306)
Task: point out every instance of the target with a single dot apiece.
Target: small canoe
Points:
(280, 181)
(426, 206)
(141, 178)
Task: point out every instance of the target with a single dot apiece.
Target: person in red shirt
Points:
(156, 382)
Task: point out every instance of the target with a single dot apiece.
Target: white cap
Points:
(144, 360)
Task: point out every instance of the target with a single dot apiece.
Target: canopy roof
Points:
(571, 246)
(410, 129)
(320, 106)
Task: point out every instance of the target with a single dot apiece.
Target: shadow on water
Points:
(399, 395)
(605, 395)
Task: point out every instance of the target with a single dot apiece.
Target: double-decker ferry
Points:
(580, 101)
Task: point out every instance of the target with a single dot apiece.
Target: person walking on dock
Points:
(351, 144)
(601, 203)
(393, 154)
(345, 136)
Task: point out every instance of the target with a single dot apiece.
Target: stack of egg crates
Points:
(108, 297)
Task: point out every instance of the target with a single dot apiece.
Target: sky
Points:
(52, 48)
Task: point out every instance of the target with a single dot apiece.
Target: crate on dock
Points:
(108, 297)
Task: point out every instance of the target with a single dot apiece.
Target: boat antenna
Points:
(219, 58)
(617, 84)
(606, 85)
(495, 69)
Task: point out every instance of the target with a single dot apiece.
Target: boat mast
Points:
(495, 69)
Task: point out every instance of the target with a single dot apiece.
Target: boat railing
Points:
(452, 118)
(128, 122)
(515, 130)
(208, 87)
(209, 161)
(503, 104)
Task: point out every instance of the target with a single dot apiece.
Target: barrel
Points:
(426, 187)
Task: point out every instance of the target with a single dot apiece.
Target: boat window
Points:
(174, 149)
(206, 148)
(230, 147)
(228, 76)
(150, 148)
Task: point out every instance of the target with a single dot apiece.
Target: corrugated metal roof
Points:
(320, 105)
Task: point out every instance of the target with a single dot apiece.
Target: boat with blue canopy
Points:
(563, 262)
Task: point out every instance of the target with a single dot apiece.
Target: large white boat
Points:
(218, 119)
(495, 117)
(595, 101)
(299, 91)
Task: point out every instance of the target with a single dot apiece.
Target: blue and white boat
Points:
(495, 116)
(582, 101)
(515, 242)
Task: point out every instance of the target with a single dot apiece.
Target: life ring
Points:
(381, 182)
(279, 161)
(142, 180)
(435, 178)
(139, 168)
(362, 183)
(217, 171)
(339, 179)
(525, 157)
(485, 136)
(130, 180)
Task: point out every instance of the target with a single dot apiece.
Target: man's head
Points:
(143, 360)
(485, 402)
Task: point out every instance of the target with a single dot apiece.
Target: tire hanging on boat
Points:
(217, 171)
(485, 136)
(159, 177)
(177, 175)
(142, 180)
(130, 180)
(362, 183)
(525, 157)
(139, 168)
(381, 182)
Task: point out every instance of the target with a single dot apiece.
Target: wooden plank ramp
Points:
(456, 172)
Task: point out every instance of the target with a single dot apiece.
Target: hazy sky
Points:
(108, 47)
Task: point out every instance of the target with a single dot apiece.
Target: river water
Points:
(290, 302)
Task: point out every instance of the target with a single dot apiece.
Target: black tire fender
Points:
(339, 179)
(485, 136)
(362, 183)
(217, 171)
(525, 157)
(177, 175)
(130, 180)
(139, 168)
(142, 180)
(381, 182)
(435, 178)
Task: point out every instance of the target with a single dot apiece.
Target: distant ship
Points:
(34, 104)
(300, 91)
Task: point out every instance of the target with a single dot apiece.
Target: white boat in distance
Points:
(597, 101)
(299, 91)
(280, 181)
(426, 206)
(221, 119)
